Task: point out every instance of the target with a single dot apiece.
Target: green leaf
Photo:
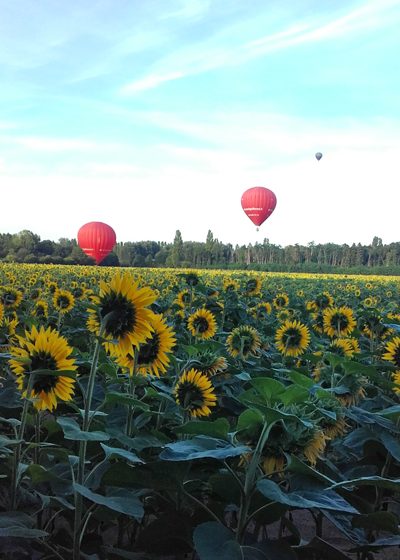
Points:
(377, 521)
(218, 428)
(72, 431)
(251, 420)
(22, 532)
(122, 398)
(118, 452)
(201, 447)
(213, 541)
(377, 481)
(268, 387)
(301, 379)
(304, 499)
(294, 394)
(129, 504)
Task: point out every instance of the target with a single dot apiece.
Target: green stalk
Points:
(249, 482)
(83, 445)
(18, 447)
(129, 418)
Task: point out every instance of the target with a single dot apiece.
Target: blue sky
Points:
(156, 115)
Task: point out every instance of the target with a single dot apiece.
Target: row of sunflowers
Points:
(147, 413)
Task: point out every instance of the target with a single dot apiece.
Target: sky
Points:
(156, 115)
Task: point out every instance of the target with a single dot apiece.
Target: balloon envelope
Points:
(318, 155)
(258, 203)
(97, 240)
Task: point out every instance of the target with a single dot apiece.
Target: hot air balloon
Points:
(318, 155)
(258, 203)
(97, 240)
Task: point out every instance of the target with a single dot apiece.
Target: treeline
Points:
(376, 258)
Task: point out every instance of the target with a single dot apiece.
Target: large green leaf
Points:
(213, 541)
(72, 431)
(378, 521)
(201, 447)
(250, 421)
(305, 499)
(123, 453)
(268, 387)
(377, 481)
(218, 428)
(129, 503)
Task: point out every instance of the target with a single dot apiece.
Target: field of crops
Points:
(147, 413)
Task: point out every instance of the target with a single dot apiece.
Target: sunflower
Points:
(242, 341)
(261, 310)
(317, 322)
(128, 320)
(280, 300)
(231, 285)
(209, 363)
(336, 428)
(352, 398)
(41, 309)
(392, 351)
(183, 298)
(253, 286)
(195, 393)
(7, 333)
(1, 312)
(396, 381)
(63, 301)
(292, 338)
(342, 346)
(202, 324)
(273, 464)
(315, 447)
(152, 357)
(10, 297)
(324, 300)
(43, 350)
(338, 321)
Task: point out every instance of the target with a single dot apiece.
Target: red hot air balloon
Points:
(258, 203)
(96, 240)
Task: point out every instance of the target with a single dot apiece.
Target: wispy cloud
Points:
(227, 48)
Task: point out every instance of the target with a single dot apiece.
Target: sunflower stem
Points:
(131, 391)
(18, 447)
(250, 481)
(78, 530)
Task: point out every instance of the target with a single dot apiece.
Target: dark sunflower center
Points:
(44, 360)
(339, 321)
(148, 352)
(280, 302)
(189, 396)
(63, 302)
(291, 338)
(122, 318)
(40, 311)
(322, 301)
(200, 324)
(251, 285)
(396, 356)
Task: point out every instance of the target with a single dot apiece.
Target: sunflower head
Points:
(338, 321)
(43, 349)
(202, 324)
(195, 393)
(243, 341)
(63, 301)
(208, 362)
(292, 338)
(123, 313)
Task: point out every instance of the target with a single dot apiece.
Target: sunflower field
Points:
(152, 414)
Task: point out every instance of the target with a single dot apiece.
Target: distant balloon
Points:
(318, 155)
(96, 240)
(258, 204)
